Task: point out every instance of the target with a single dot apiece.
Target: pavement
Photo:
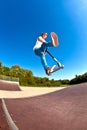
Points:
(64, 109)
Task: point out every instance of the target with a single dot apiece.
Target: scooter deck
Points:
(57, 69)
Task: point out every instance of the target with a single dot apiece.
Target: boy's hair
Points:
(44, 33)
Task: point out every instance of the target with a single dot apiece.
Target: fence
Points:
(9, 78)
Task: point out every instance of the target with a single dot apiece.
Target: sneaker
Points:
(50, 70)
(54, 39)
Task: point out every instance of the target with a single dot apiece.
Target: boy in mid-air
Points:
(40, 49)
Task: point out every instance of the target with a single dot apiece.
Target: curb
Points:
(11, 123)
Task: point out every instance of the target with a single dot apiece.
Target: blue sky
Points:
(22, 21)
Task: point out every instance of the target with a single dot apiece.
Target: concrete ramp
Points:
(9, 85)
(61, 110)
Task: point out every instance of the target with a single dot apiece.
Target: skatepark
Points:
(34, 108)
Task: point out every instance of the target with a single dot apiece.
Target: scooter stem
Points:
(52, 57)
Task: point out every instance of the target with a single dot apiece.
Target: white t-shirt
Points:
(39, 43)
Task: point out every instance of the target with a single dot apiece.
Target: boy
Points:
(40, 49)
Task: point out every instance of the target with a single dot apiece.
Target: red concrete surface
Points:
(3, 121)
(61, 110)
(11, 86)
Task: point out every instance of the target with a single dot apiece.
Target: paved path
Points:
(61, 110)
(27, 92)
(3, 122)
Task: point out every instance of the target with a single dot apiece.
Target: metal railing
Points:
(9, 78)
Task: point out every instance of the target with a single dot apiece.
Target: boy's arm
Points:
(41, 39)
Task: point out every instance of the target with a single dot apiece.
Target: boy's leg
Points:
(52, 43)
(45, 45)
(39, 53)
(44, 62)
